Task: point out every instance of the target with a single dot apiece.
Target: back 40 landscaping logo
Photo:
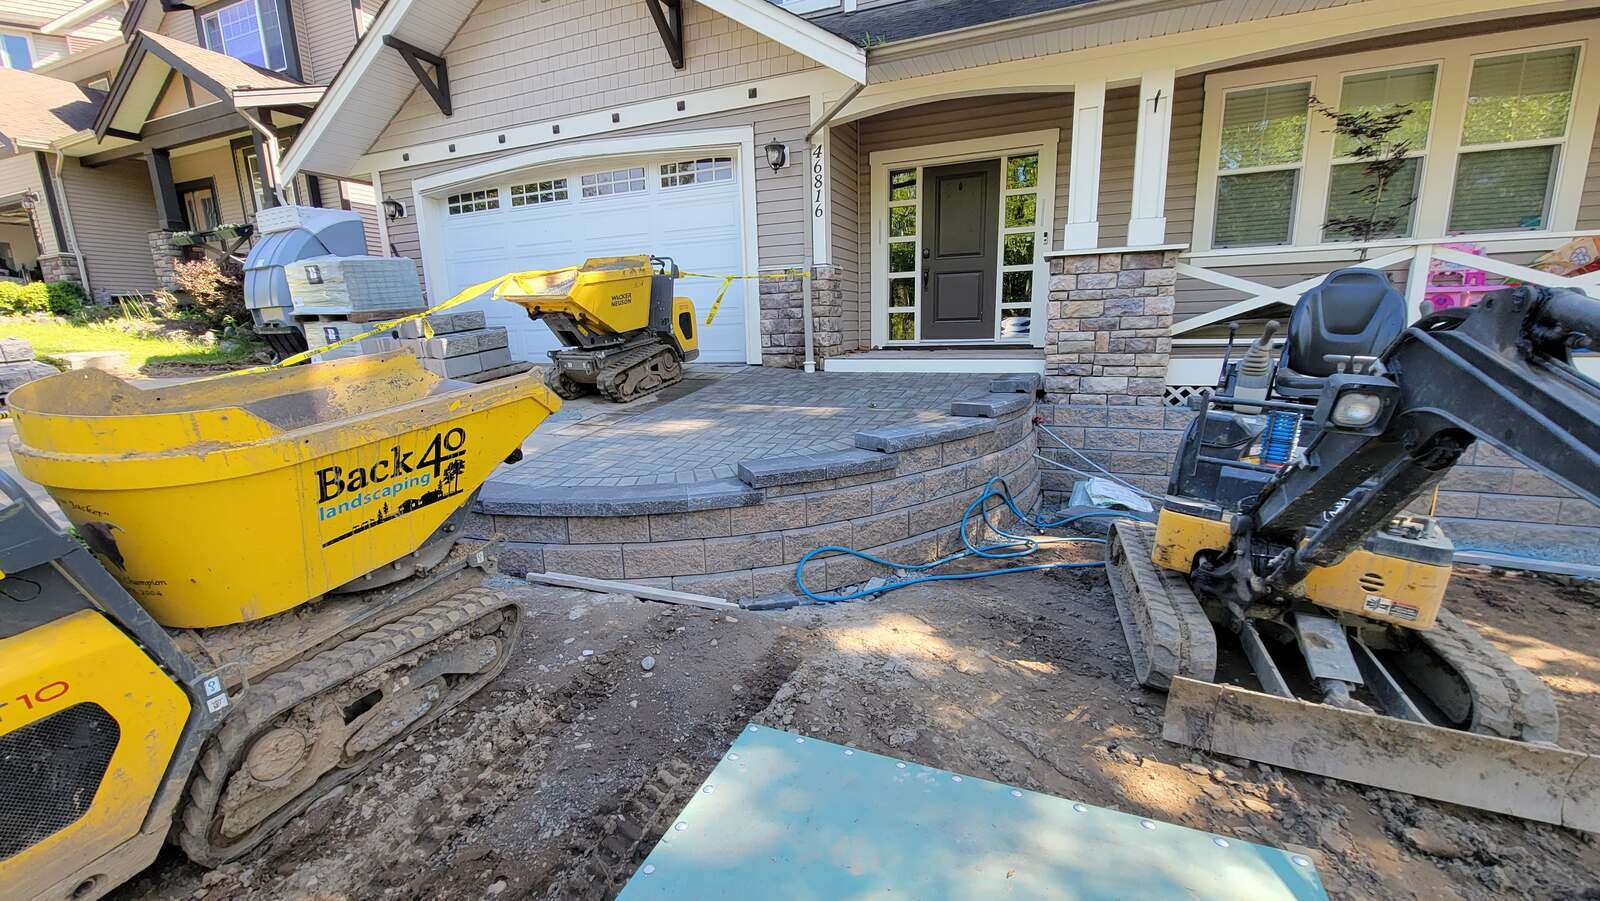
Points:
(381, 486)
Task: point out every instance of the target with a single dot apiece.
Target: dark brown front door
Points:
(960, 250)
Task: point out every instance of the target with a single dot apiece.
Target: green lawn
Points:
(52, 338)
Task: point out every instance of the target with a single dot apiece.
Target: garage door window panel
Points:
(704, 171)
(616, 181)
(473, 202)
(549, 191)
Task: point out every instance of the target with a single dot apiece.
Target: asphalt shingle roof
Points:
(221, 68)
(921, 18)
(40, 109)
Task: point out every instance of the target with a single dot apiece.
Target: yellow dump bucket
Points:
(614, 291)
(228, 500)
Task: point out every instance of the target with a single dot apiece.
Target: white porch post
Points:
(1083, 182)
(1148, 223)
(820, 209)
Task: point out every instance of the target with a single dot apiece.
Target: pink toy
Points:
(1451, 285)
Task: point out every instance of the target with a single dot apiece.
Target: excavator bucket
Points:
(1523, 779)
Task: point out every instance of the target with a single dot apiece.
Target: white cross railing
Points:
(1417, 256)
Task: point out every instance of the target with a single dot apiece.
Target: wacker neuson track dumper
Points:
(276, 596)
(624, 332)
(1285, 525)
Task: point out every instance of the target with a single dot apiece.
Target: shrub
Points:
(63, 298)
(218, 292)
(8, 296)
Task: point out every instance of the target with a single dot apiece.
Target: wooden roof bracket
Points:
(438, 83)
(669, 22)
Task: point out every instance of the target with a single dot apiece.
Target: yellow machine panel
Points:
(607, 294)
(684, 327)
(93, 722)
(1388, 589)
(224, 501)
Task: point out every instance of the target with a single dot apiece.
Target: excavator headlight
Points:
(1356, 410)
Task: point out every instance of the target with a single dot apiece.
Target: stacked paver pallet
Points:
(462, 344)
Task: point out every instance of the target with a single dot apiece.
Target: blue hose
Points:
(1017, 547)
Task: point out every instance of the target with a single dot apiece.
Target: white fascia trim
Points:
(797, 34)
(68, 19)
(250, 98)
(428, 196)
(338, 93)
(598, 122)
(978, 365)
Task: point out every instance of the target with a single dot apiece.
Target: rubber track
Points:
(1507, 699)
(611, 378)
(262, 703)
(1167, 630)
(627, 834)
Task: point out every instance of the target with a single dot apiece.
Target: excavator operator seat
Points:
(1354, 312)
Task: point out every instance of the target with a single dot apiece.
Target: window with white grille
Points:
(473, 201)
(617, 181)
(696, 172)
(550, 191)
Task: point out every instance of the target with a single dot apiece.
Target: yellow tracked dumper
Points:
(624, 333)
(264, 594)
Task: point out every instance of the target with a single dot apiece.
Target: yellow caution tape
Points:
(728, 280)
(497, 288)
(497, 285)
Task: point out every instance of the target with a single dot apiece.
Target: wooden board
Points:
(646, 592)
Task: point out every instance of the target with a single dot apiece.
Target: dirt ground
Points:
(1022, 679)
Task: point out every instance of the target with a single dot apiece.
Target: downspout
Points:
(270, 145)
(808, 326)
(66, 220)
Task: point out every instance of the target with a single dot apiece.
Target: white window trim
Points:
(1455, 59)
(1299, 166)
(428, 195)
(1045, 142)
(261, 32)
(33, 50)
(1423, 154)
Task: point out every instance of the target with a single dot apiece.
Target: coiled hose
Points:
(1017, 547)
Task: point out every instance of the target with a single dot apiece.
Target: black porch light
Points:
(777, 154)
(393, 209)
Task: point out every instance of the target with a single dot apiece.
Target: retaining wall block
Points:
(696, 524)
(664, 558)
(598, 561)
(744, 551)
(607, 529)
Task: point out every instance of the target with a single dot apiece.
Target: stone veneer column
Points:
(1106, 356)
(165, 256)
(783, 340)
(60, 267)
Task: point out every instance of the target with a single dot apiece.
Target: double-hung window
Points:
(1519, 107)
(1352, 193)
(16, 52)
(1258, 164)
(249, 30)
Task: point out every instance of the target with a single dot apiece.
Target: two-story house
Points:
(1092, 190)
(173, 124)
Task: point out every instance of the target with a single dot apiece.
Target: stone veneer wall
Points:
(60, 267)
(783, 341)
(900, 494)
(165, 256)
(1106, 360)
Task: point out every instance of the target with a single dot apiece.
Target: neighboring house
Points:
(35, 33)
(193, 106)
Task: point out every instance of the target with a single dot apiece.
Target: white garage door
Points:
(683, 205)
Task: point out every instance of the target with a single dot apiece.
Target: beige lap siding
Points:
(848, 226)
(113, 212)
(780, 208)
(19, 174)
(514, 63)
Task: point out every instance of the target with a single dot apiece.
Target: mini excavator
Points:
(1286, 525)
(623, 332)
